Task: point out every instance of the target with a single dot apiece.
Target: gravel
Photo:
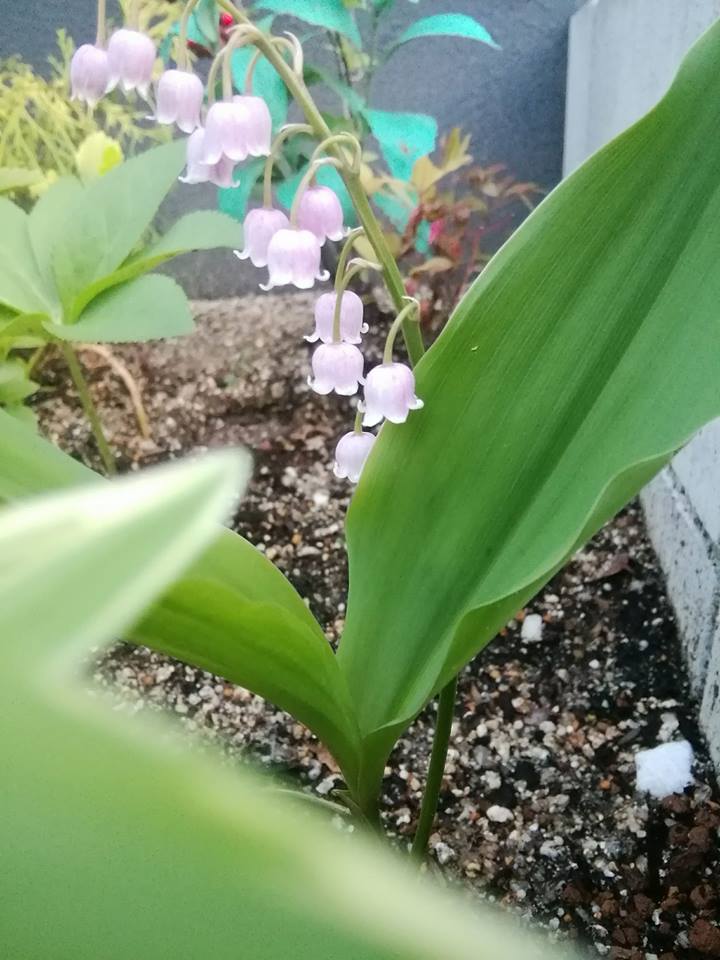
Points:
(538, 809)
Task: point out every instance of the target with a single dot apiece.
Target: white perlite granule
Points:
(664, 769)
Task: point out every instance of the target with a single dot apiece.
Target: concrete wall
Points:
(623, 55)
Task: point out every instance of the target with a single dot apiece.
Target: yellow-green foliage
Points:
(42, 128)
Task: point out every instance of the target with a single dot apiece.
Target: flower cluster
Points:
(223, 134)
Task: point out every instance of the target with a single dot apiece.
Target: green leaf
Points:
(15, 385)
(234, 200)
(30, 465)
(149, 308)
(200, 230)
(447, 25)
(122, 840)
(330, 14)
(234, 613)
(48, 224)
(110, 219)
(403, 138)
(206, 17)
(585, 354)
(22, 286)
(267, 83)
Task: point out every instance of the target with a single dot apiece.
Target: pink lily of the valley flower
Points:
(336, 367)
(293, 257)
(197, 171)
(131, 56)
(179, 99)
(237, 129)
(351, 453)
(89, 73)
(389, 394)
(319, 211)
(351, 318)
(259, 228)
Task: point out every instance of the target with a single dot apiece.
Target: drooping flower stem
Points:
(250, 72)
(240, 36)
(411, 306)
(289, 130)
(101, 24)
(436, 768)
(373, 232)
(342, 279)
(89, 408)
(183, 59)
(342, 139)
(357, 427)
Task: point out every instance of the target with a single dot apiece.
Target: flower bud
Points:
(220, 173)
(179, 99)
(259, 228)
(89, 74)
(293, 256)
(351, 318)
(338, 367)
(131, 56)
(319, 211)
(237, 128)
(389, 393)
(351, 453)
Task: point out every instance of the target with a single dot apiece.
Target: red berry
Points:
(226, 20)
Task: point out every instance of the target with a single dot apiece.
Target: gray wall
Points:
(623, 55)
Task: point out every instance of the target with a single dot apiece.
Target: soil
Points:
(539, 809)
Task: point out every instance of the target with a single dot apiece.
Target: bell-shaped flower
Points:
(131, 56)
(351, 453)
(293, 256)
(197, 171)
(237, 129)
(320, 211)
(351, 318)
(336, 367)
(89, 74)
(389, 393)
(259, 228)
(179, 99)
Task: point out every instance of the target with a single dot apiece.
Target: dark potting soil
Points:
(538, 808)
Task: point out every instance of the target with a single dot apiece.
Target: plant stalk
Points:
(428, 809)
(101, 24)
(89, 408)
(393, 277)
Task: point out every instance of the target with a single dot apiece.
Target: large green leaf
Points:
(330, 14)
(110, 219)
(48, 224)
(586, 354)
(116, 842)
(22, 286)
(233, 613)
(149, 308)
(447, 25)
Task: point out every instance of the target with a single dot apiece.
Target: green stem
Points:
(411, 307)
(89, 408)
(184, 59)
(101, 24)
(393, 277)
(446, 705)
(341, 282)
(287, 131)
